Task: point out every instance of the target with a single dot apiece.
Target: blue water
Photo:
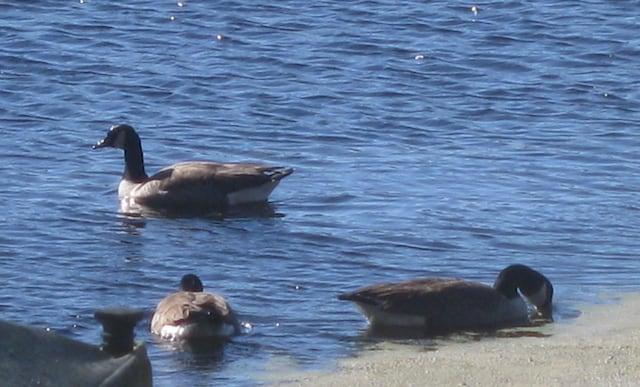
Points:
(427, 140)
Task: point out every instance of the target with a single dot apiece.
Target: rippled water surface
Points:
(427, 139)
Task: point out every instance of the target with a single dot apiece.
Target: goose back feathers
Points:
(437, 305)
(192, 313)
(193, 186)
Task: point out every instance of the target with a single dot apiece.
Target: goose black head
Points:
(119, 136)
(191, 283)
(533, 286)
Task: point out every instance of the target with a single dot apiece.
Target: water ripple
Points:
(427, 140)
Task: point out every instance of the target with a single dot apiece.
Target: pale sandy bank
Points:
(599, 348)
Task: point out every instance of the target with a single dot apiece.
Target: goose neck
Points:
(507, 287)
(134, 164)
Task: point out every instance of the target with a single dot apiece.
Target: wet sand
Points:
(599, 348)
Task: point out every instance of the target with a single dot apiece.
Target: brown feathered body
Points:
(200, 186)
(435, 305)
(190, 315)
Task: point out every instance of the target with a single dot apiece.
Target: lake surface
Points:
(428, 139)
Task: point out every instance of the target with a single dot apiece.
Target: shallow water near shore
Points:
(427, 140)
(598, 347)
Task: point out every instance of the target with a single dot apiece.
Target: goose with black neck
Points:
(190, 187)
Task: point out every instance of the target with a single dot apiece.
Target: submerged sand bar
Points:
(599, 348)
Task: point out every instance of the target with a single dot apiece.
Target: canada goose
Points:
(440, 305)
(189, 187)
(192, 313)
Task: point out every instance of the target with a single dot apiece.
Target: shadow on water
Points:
(136, 216)
(368, 342)
(134, 221)
(196, 353)
(202, 352)
(370, 337)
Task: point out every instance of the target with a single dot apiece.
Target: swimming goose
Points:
(193, 186)
(441, 305)
(192, 313)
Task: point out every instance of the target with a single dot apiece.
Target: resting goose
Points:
(441, 305)
(192, 313)
(193, 186)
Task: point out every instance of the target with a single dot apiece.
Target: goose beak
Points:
(98, 145)
(545, 311)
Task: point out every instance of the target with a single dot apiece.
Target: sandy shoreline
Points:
(601, 347)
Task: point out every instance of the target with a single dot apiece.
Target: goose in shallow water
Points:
(192, 313)
(187, 187)
(441, 305)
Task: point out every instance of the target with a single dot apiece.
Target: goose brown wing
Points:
(183, 306)
(430, 296)
(198, 182)
(209, 305)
